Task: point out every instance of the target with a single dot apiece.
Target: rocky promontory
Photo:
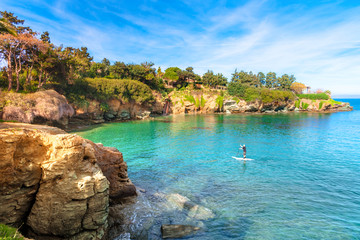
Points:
(56, 185)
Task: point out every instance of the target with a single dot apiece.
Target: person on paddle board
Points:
(244, 150)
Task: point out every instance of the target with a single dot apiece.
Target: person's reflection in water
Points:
(244, 167)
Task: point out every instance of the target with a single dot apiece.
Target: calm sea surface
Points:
(304, 182)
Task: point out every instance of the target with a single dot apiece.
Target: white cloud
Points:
(320, 46)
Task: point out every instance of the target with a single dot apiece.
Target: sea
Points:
(303, 181)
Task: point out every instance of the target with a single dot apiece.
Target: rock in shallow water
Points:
(194, 210)
(177, 231)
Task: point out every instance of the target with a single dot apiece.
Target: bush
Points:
(190, 98)
(236, 89)
(103, 89)
(314, 96)
(219, 102)
(202, 102)
(251, 94)
(321, 104)
(297, 104)
(304, 105)
(268, 96)
(104, 107)
(197, 103)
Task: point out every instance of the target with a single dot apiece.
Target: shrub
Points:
(304, 105)
(202, 102)
(127, 90)
(104, 107)
(321, 104)
(219, 102)
(190, 98)
(314, 96)
(297, 104)
(268, 96)
(197, 103)
(251, 94)
(236, 89)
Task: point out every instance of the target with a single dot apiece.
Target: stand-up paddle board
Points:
(244, 159)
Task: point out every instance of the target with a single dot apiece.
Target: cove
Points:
(303, 183)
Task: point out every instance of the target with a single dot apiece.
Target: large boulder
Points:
(39, 107)
(55, 184)
(231, 106)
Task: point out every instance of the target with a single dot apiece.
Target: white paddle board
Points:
(244, 159)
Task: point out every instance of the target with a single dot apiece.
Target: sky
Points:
(317, 41)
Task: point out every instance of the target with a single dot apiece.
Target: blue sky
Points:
(317, 41)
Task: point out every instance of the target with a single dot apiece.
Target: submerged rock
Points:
(177, 231)
(194, 210)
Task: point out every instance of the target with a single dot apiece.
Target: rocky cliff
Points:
(57, 185)
(193, 102)
(49, 107)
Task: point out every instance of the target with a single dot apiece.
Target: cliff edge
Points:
(58, 185)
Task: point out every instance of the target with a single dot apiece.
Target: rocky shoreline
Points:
(50, 108)
(57, 185)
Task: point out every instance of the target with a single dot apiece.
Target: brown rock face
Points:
(54, 183)
(114, 168)
(40, 107)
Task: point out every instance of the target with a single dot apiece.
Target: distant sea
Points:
(354, 102)
(304, 182)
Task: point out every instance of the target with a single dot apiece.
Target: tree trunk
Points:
(40, 76)
(45, 78)
(17, 81)
(17, 71)
(28, 75)
(9, 72)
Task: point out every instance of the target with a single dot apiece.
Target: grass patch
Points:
(7, 233)
(1, 120)
(314, 96)
(321, 105)
(332, 102)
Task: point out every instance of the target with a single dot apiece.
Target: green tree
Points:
(45, 37)
(236, 89)
(212, 80)
(271, 81)
(285, 81)
(262, 79)
(172, 73)
(7, 27)
(245, 78)
(119, 70)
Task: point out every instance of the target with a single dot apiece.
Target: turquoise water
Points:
(303, 184)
